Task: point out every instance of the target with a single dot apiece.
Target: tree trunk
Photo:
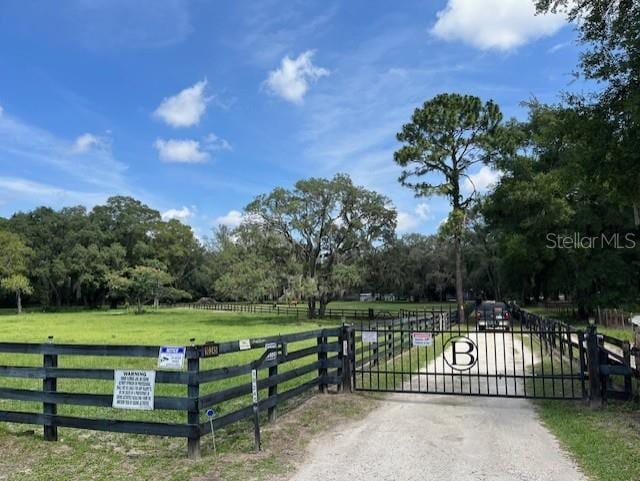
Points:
(323, 306)
(19, 299)
(311, 303)
(459, 289)
(156, 302)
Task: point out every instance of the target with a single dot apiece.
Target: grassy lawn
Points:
(605, 442)
(84, 455)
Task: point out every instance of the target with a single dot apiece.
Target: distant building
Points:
(366, 296)
(389, 298)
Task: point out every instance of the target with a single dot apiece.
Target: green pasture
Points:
(163, 327)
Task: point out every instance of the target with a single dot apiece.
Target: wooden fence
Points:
(300, 312)
(605, 357)
(276, 367)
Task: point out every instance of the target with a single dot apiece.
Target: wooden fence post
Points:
(50, 385)
(193, 393)
(322, 356)
(273, 391)
(626, 356)
(593, 365)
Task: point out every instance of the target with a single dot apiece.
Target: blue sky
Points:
(195, 107)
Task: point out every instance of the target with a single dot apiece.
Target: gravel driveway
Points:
(440, 437)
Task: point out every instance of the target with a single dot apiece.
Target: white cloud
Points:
(410, 221)
(495, 24)
(232, 219)
(16, 189)
(180, 214)
(185, 108)
(23, 142)
(559, 46)
(86, 142)
(214, 143)
(482, 180)
(406, 222)
(423, 211)
(185, 151)
(291, 80)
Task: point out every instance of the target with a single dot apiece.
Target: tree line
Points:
(569, 172)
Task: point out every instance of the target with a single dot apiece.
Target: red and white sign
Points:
(422, 339)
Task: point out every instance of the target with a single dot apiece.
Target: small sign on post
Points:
(369, 337)
(422, 339)
(211, 414)
(134, 390)
(272, 356)
(244, 344)
(171, 357)
(256, 414)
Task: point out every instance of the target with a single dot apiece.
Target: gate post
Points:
(593, 365)
(322, 357)
(50, 385)
(193, 393)
(345, 355)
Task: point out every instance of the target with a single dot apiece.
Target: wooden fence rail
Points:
(605, 356)
(347, 315)
(326, 368)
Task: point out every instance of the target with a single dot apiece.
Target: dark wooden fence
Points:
(605, 359)
(323, 346)
(300, 312)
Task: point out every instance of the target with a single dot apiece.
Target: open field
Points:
(143, 457)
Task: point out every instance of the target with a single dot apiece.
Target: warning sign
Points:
(134, 390)
(369, 337)
(422, 338)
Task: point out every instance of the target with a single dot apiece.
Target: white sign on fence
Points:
(244, 344)
(369, 337)
(254, 386)
(171, 357)
(272, 356)
(422, 338)
(134, 390)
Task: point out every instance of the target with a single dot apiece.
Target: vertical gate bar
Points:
(524, 368)
(533, 364)
(393, 354)
(513, 354)
(552, 355)
(371, 361)
(544, 381)
(504, 360)
(418, 359)
(573, 381)
(486, 355)
(410, 355)
(495, 353)
(561, 349)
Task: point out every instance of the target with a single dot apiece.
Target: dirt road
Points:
(441, 437)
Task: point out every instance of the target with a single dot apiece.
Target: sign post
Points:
(256, 414)
(211, 414)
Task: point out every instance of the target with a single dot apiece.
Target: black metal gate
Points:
(526, 357)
